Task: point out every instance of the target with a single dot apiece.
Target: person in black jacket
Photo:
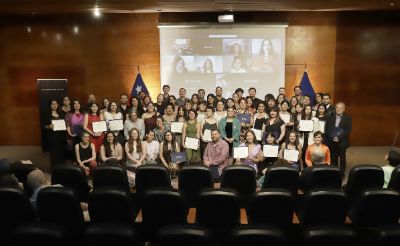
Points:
(338, 131)
(326, 100)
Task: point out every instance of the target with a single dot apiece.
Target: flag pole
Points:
(305, 66)
(138, 68)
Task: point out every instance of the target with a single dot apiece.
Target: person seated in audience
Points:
(153, 149)
(135, 149)
(317, 153)
(9, 180)
(167, 147)
(216, 154)
(161, 128)
(291, 143)
(255, 151)
(278, 162)
(392, 160)
(36, 181)
(85, 153)
(134, 122)
(111, 149)
(191, 129)
(229, 127)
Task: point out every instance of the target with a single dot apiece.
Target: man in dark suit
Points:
(326, 100)
(338, 131)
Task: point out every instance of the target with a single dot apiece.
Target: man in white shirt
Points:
(392, 160)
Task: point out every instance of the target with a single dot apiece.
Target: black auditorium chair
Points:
(110, 177)
(376, 208)
(60, 205)
(329, 236)
(218, 210)
(258, 235)
(283, 177)
(363, 177)
(324, 207)
(389, 235)
(43, 234)
(274, 207)
(151, 176)
(73, 177)
(320, 176)
(192, 180)
(108, 205)
(183, 235)
(106, 234)
(394, 182)
(242, 179)
(15, 209)
(161, 207)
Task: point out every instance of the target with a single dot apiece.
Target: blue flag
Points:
(139, 86)
(306, 86)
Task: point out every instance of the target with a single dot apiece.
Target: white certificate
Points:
(241, 152)
(207, 135)
(59, 125)
(116, 125)
(291, 155)
(285, 118)
(192, 143)
(306, 125)
(258, 134)
(322, 126)
(271, 150)
(176, 127)
(99, 126)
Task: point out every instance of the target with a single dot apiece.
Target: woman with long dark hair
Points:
(111, 149)
(167, 147)
(93, 115)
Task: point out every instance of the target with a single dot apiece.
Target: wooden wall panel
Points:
(367, 74)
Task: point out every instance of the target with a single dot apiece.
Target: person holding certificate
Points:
(167, 147)
(317, 153)
(292, 144)
(111, 149)
(268, 161)
(113, 114)
(56, 139)
(135, 149)
(306, 131)
(216, 155)
(181, 117)
(255, 152)
(259, 120)
(191, 129)
(85, 153)
(275, 125)
(161, 128)
(229, 127)
(206, 126)
(92, 116)
(242, 113)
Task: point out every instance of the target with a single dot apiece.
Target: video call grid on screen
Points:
(229, 56)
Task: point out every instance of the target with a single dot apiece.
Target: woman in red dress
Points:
(94, 116)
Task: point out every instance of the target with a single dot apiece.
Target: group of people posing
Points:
(204, 129)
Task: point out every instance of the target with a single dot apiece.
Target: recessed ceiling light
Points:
(392, 4)
(96, 12)
(159, 10)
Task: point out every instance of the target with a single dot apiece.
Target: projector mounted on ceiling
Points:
(225, 18)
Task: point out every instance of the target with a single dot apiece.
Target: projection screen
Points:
(230, 56)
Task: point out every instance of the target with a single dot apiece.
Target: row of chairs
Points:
(183, 235)
(193, 179)
(217, 209)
